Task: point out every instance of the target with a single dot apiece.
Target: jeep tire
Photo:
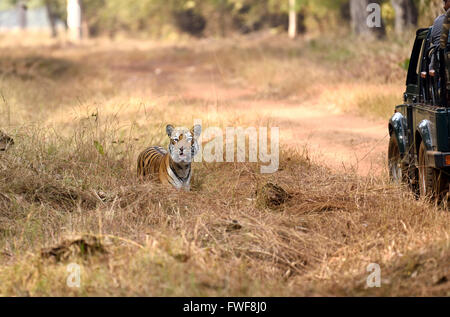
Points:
(432, 182)
(399, 171)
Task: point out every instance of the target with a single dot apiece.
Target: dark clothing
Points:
(435, 38)
(445, 29)
(437, 29)
(443, 45)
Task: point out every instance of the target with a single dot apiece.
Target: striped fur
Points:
(173, 166)
(5, 141)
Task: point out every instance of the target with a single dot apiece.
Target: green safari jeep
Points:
(419, 145)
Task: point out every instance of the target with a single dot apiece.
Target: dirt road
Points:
(340, 140)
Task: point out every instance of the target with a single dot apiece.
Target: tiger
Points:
(5, 141)
(172, 167)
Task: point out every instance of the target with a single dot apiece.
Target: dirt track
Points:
(337, 139)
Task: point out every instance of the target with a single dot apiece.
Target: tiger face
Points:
(183, 144)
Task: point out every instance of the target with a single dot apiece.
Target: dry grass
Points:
(80, 116)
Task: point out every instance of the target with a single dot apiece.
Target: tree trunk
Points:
(74, 19)
(366, 18)
(51, 18)
(406, 15)
(292, 19)
(222, 14)
(22, 14)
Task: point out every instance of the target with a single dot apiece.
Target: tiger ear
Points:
(169, 130)
(196, 130)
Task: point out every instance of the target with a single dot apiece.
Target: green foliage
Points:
(161, 17)
(405, 64)
(99, 147)
(152, 16)
(388, 15)
(7, 4)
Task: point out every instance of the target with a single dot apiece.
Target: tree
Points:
(366, 18)
(406, 15)
(55, 9)
(292, 19)
(51, 17)
(74, 19)
(22, 12)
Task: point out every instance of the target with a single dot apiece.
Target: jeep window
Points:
(413, 71)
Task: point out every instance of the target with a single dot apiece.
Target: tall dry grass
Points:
(80, 116)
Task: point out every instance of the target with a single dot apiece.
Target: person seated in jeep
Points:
(443, 46)
(445, 29)
(435, 36)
